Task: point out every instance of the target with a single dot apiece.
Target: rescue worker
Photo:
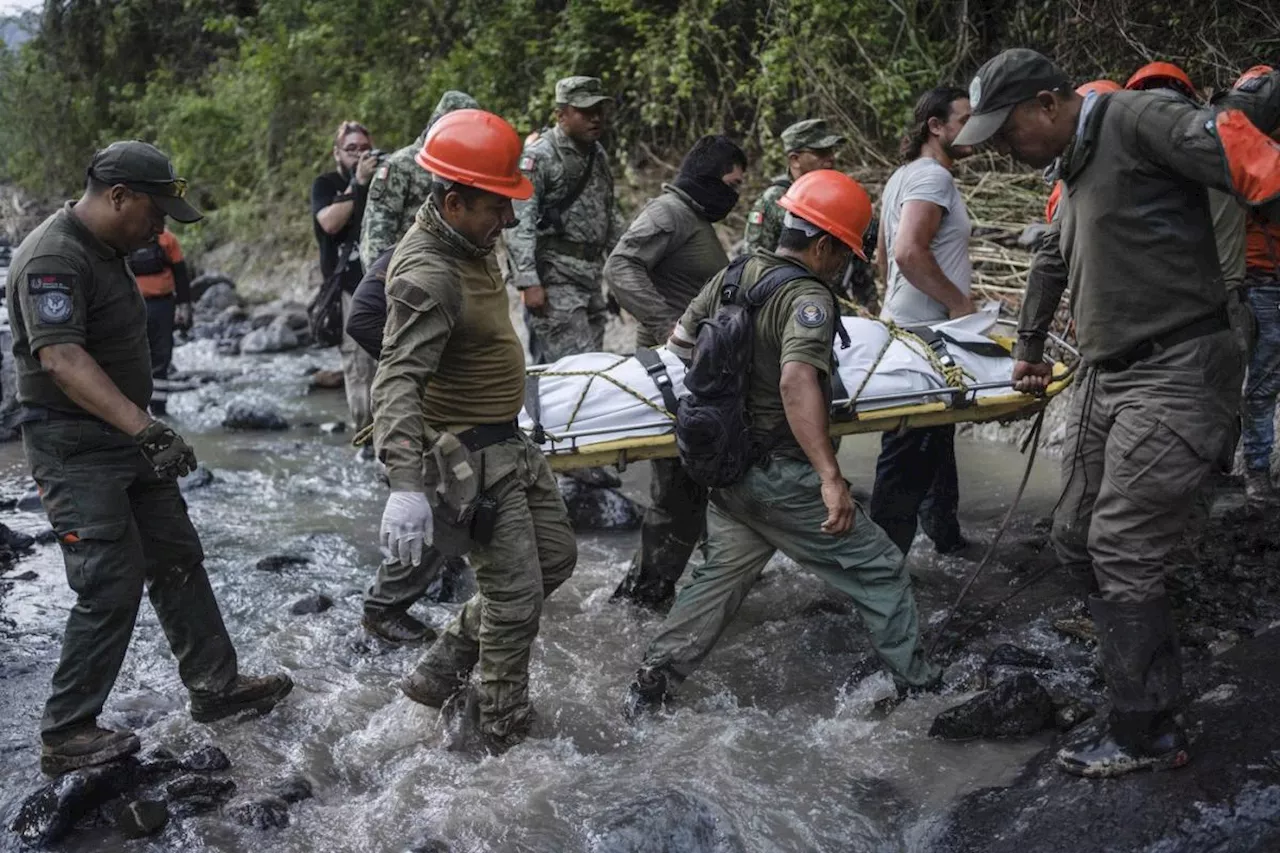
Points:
(662, 261)
(924, 261)
(794, 499)
(399, 187)
(106, 470)
(1051, 174)
(1262, 292)
(1161, 376)
(809, 145)
(165, 281)
(568, 226)
(448, 389)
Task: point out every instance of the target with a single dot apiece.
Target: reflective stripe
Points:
(1253, 158)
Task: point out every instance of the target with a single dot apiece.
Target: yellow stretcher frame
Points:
(996, 407)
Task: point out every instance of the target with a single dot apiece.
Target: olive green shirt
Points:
(68, 287)
(795, 324)
(664, 258)
(450, 357)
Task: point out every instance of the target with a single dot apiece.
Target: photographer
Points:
(337, 206)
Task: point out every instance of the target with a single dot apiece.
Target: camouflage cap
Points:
(581, 92)
(812, 133)
(144, 168)
(450, 101)
(1003, 82)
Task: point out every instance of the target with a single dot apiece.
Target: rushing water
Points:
(769, 729)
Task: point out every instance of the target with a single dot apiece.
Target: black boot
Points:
(648, 692)
(1138, 644)
(442, 672)
(396, 627)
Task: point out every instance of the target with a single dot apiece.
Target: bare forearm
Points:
(808, 416)
(336, 216)
(82, 380)
(921, 269)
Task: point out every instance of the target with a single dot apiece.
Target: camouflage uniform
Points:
(764, 222)
(566, 258)
(451, 361)
(400, 186)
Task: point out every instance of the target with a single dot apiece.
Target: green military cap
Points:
(450, 101)
(1002, 83)
(144, 168)
(581, 92)
(812, 133)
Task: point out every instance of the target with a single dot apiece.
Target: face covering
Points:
(714, 196)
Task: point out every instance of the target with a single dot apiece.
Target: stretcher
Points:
(600, 409)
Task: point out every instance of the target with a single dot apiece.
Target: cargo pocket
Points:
(1153, 465)
(86, 550)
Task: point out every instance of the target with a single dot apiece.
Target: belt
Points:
(479, 437)
(1215, 322)
(561, 246)
(40, 414)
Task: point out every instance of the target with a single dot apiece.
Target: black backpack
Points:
(148, 260)
(713, 426)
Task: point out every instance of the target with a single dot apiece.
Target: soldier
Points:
(106, 469)
(1161, 382)
(809, 145)
(794, 499)
(449, 387)
(400, 186)
(568, 226)
(662, 261)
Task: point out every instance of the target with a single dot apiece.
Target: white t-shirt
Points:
(928, 180)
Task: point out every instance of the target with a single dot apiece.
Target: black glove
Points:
(166, 451)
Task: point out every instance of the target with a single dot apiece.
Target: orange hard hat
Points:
(1159, 75)
(478, 149)
(834, 202)
(1099, 86)
(1252, 74)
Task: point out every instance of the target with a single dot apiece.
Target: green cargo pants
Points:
(1140, 445)
(778, 507)
(121, 528)
(533, 551)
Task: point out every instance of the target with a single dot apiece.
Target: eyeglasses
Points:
(356, 149)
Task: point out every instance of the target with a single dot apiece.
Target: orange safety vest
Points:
(161, 283)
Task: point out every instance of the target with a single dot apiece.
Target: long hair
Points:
(935, 103)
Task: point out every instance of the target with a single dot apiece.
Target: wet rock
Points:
(311, 604)
(1077, 627)
(1017, 707)
(46, 537)
(293, 788)
(242, 415)
(258, 811)
(160, 761)
(30, 501)
(280, 562)
(141, 818)
(428, 844)
(52, 811)
(597, 508)
(194, 794)
(1071, 714)
(1007, 654)
(327, 380)
(669, 822)
(206, 759)
(200, 478)
(277, 337)
(231, 316)
(200, 284)
(333, 427)
(25, 576)
(15, 540)
(217, 297)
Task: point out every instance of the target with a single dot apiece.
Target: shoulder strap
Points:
(562, 206)
(657, 370)
(533, 405)
(784, 183)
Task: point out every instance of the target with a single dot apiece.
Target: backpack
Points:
(148, 260)
(713, 426)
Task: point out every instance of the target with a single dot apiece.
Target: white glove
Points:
(406, 527)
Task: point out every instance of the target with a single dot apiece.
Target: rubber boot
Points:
(251, 694)
(442, 672)
(648, 692)
(1138, 646)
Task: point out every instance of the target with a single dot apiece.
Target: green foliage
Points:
(245, 94)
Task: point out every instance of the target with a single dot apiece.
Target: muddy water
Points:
(771, 729)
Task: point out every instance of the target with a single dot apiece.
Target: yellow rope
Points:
(602, 374)
(953, 375)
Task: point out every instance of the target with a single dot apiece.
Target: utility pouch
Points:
(484, 514)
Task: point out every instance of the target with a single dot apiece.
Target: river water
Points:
(770, 730)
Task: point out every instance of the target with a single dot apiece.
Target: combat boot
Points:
(648, 692)
(85, 747)
(396, 627)
(442, 672)
(1138, 646)
(257, 695)
(1258, 491)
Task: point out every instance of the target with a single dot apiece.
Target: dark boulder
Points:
(52, 811)
(277, 337)
(599, 508)
(242, 415)
(293, 788)
(200, 478)
(195, 794)
(30, 501)
(258, 811)
(1007, 654)
(15, 540)
(326, 380)
(216, 298)
(141, 818)
(280, 562)
(308, 605)
(201, 283)
(206, 759)
(668, 822)
(1017, 707)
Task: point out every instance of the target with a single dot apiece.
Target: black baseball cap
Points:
(144, 168)
(1003, 82)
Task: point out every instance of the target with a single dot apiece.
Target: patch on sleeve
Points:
(756, 217)
(526, 163)
(383, 171)
(810, 314)
(1251, 85)
(52, 296)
